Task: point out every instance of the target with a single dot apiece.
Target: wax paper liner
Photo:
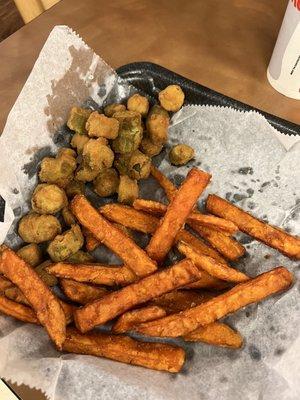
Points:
(250, 167)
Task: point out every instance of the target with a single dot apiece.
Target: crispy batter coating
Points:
(78, 141)
(37, 228)
(100, 274)
(48, 199)
(106, 183)
(80, 257)
(86, 174)
(63, 246)
(128, 190)
(116, 303)
(139, 165)
(133, 256)
(111, 109)
(130, 132)
(68, 216)
(31, 253)
(81, 293)
(176, 215)
(97, 156)
(48, 279)
(241, 295)
(157, 125)
(17, 311)
(128, 320)
(181, 154)
(46, 306)
(98, 125)
(139, 104)
(158, 356)
(171, 98)
(59, 170)
(210, 265)
(218, 334)
(73, 188)
(121, 163)
(273, 237)
(149, 148)
(77, 119)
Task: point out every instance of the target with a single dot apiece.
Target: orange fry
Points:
(91, 243)
(230, 248)
(46, 306)
(133, 256)
(15, 294)
(164, 182)
(210, 265)
(100, 274)
(158, 356)
(116, 303)
(273, 237)
(18, 311)
(4, 284)
(81, 293)
(207, 282)
(241, 295)
(218, 334)
(176, 215)
(156, 208)
(128, 320)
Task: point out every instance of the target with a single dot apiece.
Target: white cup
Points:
(284, 69)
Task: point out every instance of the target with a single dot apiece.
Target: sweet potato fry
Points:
(15, 294)
(158, 356)
(100, 274)
(81, 293)
(46, 306)
(210, 265)
(164, 182)
(207, 282)
(4, 284)
(273, 237)
(241, 295)
(91, 243)
(133, 256)
(146, 289)
(218, 334)
(176, 215)
(128, 320)
(156, 208)
(230, 248)
(18, 311)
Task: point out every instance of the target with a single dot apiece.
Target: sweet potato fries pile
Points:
(186, 299)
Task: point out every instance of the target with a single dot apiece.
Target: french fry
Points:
(273, 237)
(116, 303)
(4, 284)
(91, 243)
(46, 306)
(156, 208)
(133, 256)
(210, 265)
(176, 215)
(81, 293)
(128, 320)
(230, 248)
(207, 282)
(216, 333)
(164, 182)
(18, 311)
(100, 274)
(158, 356)
(241, 295)
(15, 294)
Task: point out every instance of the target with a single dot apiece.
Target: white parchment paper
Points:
(250, 167)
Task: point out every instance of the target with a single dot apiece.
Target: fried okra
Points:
(66, 244)
(68, 216)
(113, 108)
(139, 165)
(48, 199)
(139, 104)
(149, 148)
(157, 125)
(130, 132)
(31, 254)
(171, 98)
(78, 141)
(48, 279)
(181, 154)
(98, 125)
(38, 228)
(80, 257)
(106, 183)
(128, 190)
(74, 187)
(121, 163)
(77, 119)
(59, 170)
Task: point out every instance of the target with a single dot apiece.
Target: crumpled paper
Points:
(250, 167)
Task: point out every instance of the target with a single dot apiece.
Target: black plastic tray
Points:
(150, 78)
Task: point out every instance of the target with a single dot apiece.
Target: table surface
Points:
(224, 45)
